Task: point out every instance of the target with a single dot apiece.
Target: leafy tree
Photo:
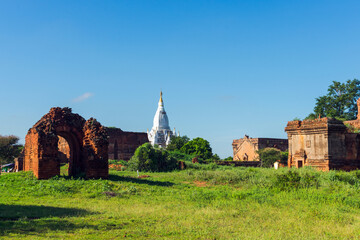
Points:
(9, 149)
(230, 158)
(152, 159)
(198, 147)
(311, 116)
(268, 156)
(284, 157)
(180, 156)
(340, 101)
(177, 142)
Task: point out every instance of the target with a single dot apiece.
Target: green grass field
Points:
(205, 203)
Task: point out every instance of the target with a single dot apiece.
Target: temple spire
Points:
(160, 133)
(161, 100)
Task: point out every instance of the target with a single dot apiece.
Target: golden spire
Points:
(161, 100)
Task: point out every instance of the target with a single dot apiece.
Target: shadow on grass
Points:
(138, 180)
(30, 219)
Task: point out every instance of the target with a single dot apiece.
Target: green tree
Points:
(199, 147)
(177, 142)
(9, 149)
(152, 159)
(215, 157)
(268, 156)
(284, 157)
(340, 101)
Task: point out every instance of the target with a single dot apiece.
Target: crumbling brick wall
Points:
(122, 145)
(87, 143)
(95, 144)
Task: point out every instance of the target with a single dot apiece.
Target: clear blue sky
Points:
(227, 68)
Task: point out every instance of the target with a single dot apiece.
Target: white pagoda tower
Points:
(160, 133)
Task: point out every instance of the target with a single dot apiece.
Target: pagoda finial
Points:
(161, 100)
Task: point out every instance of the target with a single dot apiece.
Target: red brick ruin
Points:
(122, 145)
(245, 149)
(60, 136)
(324, 143)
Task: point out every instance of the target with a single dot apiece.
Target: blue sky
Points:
(226, 68)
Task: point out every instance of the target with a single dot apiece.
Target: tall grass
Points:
(203, 202)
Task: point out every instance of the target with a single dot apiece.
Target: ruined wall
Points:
(278, 143)
(122, 145)
(95, 149)
(322, 143)
(86, 142)
(245, 149)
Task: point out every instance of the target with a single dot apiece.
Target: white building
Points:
(160, 133)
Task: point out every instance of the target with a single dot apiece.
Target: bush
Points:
(118, 162)
(180, 156)
(269, 156)
(152, 159)
(198, 147)
(288, 180)
(293, 179)
(177, 143)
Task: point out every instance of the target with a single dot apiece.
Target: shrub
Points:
(118, 162)
(199, 147)
(177, 142)
(269, 156)
(288, 180)
(180, 156)
(152, 159)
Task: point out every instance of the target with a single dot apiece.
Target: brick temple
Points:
(245, 149)
(324, 143)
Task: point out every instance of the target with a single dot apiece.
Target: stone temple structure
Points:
(324, 143)
(245, 149)
(160, 133)
(61, 135)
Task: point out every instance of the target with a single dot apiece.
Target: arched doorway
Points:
(69, 154)
(62, 135)
(64, 155)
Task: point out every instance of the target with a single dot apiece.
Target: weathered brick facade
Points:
(122, 145)
(245, 149)
(324, 144)
(87, 142)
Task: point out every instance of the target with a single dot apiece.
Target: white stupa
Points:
(160, 133)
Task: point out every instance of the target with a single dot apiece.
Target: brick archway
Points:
(87, 140)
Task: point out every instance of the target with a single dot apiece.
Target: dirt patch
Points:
(200, 184)
(117, 167)
(143, 176)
